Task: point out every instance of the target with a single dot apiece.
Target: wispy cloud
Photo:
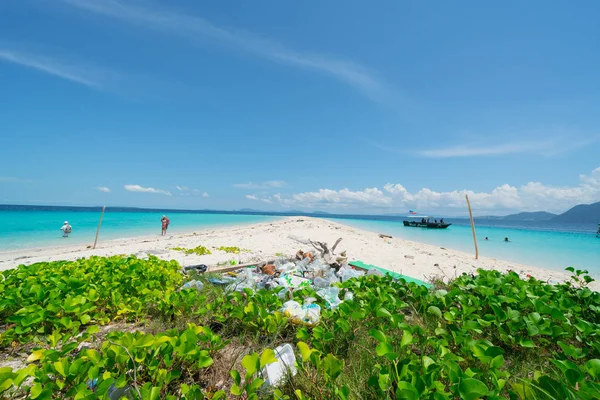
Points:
(251, 197)
(194, 28)
(102, 189)
(141, 189)
(186, 191)
(470, 151)
(52, 66)
(263, 185)
(551, 146)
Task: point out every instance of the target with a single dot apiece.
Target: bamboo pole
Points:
(473, 228)
(99, 223)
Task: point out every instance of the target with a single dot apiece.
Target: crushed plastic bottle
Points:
(348, 273)
(319, 282)
(193, 284)
(349, 296)
(331, 296)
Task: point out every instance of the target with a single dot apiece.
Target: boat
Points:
(424, 222)
(598, 232)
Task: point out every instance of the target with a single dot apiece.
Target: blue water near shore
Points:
(29, 229)
(542, 244)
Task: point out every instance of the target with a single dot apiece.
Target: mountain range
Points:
(582, 213)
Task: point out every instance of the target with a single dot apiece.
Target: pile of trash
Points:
(305, 270)
(321, 272)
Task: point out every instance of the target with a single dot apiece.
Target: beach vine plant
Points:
(232, 249)
(484, 336)
(198, 250)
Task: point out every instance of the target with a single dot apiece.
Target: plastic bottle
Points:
(193, 284)
(319, 282)
(276, 372)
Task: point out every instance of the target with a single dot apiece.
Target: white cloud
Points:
(103, 189)
(182, 188)
(205, 195)
(342, 198)
(251, 197)
(196, 28)
(263, 185)
(69, 71)
(533, 196)
(141, 189)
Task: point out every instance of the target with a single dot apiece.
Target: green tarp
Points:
(395, 275)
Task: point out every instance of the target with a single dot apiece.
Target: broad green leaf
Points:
(383, 348)
(433, 310)
(382, 312)
(593, 368)
(267, 357)
(497, 362)
(407, 338)
(526, 343)
(204, 362)
(378, 335)
(251, 363)
(471, 389)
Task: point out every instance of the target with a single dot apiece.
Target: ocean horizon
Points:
(541, 244)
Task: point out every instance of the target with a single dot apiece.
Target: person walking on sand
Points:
(165, 224)
(66, 228)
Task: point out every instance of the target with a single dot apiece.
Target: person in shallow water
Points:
(506, 239)
(165, 224)
(486, 238)
(66, 229)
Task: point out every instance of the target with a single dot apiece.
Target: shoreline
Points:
(266, 239)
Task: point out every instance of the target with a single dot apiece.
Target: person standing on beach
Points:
(165, 224)
(66, 228)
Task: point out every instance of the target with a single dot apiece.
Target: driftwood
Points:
(383, 236)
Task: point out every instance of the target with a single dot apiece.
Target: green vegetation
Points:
(232, 249)
(489, 336)
(198, 250)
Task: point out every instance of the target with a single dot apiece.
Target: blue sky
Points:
(335, 106)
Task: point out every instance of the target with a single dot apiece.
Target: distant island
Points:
(582, 213)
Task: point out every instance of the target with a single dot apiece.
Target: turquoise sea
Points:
(546, 245)
(28, 229)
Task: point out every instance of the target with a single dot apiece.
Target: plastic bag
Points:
(308, 314)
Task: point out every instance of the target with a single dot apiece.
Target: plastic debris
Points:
(307, 314)
(331, 296)
(349, 296)
(285, 365)
(319, 282)
(375, 272)
(348, 273)
(193, 284)
(201, 268)
(115, 393)
(223, 281)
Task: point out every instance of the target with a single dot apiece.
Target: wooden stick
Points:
(473, 228)
(98, 230)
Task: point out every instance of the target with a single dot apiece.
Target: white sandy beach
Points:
(265, 240)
